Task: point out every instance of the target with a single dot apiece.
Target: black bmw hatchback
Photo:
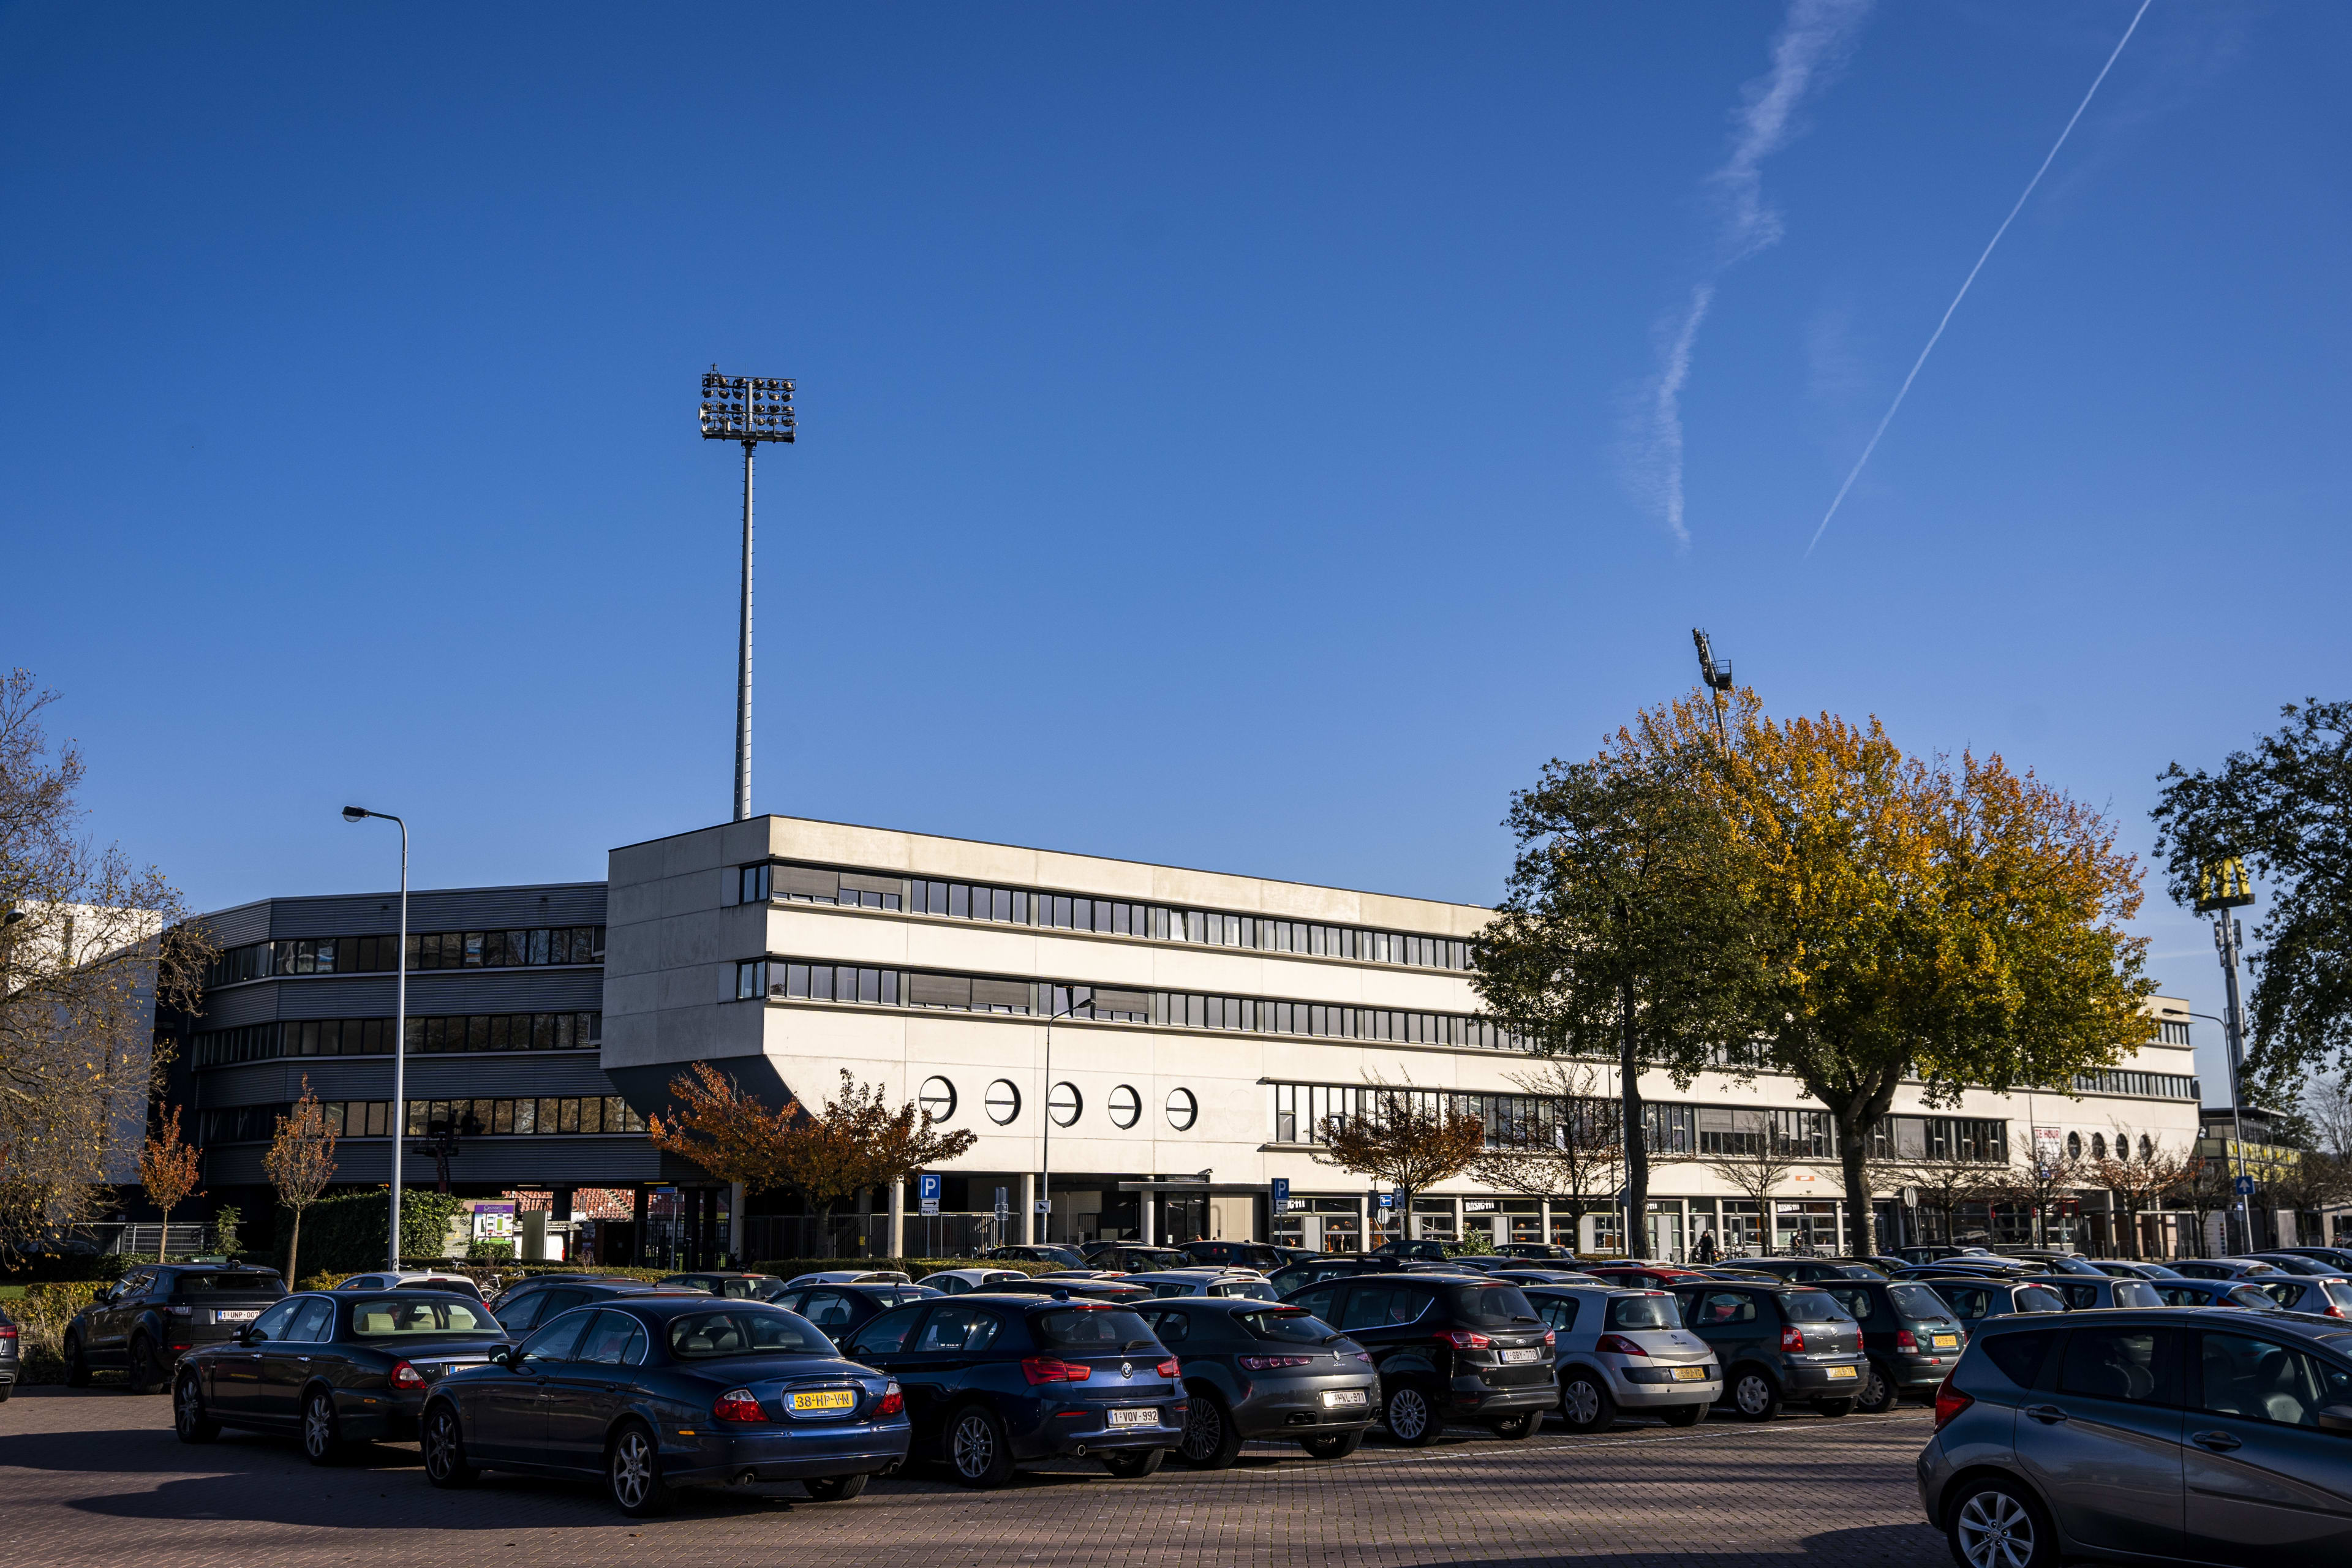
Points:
(336, 1368)
(653, 1393)
(1448, 1347)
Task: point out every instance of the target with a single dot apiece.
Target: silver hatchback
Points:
(2192, 1435)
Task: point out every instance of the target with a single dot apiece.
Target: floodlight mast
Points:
(1717, 678)
(749, 409)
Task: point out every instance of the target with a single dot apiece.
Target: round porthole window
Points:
(1182, 1110)
(1126, 1106)
(938, 1099)
(2147, 1149)
(2073, 1148)
(1062, 1103)
(1003, 1101)
(2098, 1146)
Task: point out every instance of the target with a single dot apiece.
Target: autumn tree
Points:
(2040, 1185)
(169, 1170)
(90, 945)
(729, 1133)
(1945, 1186)
(1755, 1167)
(1618, 937)
(2140, 1184)
(1406, 1139)
(299, 1162)
(1958, 925)
(1572, 1148)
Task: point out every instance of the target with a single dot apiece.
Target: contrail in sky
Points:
(1971, 277)
(1809, 46)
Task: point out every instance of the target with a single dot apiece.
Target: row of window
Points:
(372, 1037)
(1065, 1102)
(427, 949)
(372, 1118)
(1032, 907)
(2153, 1085)
(782, 979)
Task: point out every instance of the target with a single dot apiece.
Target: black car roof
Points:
(668, 1304)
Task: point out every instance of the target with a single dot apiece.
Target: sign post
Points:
(1003, 1214)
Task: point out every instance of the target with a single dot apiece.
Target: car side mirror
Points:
(249, 1335)
(102, 1294)
(2335, 1418)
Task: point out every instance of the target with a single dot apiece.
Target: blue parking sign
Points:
(1281, 1194)
(927, 1189)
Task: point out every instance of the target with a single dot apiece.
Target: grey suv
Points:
(2190, 1434)
(1777, 1343)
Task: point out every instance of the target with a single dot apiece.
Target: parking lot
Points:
(96, 1477)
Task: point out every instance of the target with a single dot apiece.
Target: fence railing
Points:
(191, 1238)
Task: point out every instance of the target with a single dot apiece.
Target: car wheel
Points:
(147, 1373)
(322, 1435)
(1754, 1395)
(1135, 1464)
(1333, 1445)
(1996, 1524)
(1831, 1409)
(632, 1473)
(1585, 1405)
(1877, 1396)
(445, 1449)
(978, 1450)
(1411, 1415)
(1513, 1428)
(1211, 1441)
(77, 1364)
(834, 1489)
(188, 1417)
(1683, 1415)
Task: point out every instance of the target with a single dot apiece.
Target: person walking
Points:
(1705, 1252)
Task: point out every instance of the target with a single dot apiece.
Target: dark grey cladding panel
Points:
(233, 1006)
(491, 1163)
(498, 1076)
(236, 927)
(358, 996)
(648, 1088)
(277, 1082)
(504, 991)
(457, 909)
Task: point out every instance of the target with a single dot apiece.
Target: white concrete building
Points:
(1207, 1020)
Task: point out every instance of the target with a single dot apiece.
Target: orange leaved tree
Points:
(169, 1170)
(299, 1164)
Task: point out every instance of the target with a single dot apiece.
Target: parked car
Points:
(2223, 1268)
(1133, 1258)
(1257, 1255)
(1245, 1283)
(2046, 1260)
(1965, 1269)
(652, 1393)
(2327, 1296)
(2295, 1263)
(1523, 1276)
(538, 1299)
(1644, 1276)
(2098, 1290)
(2336, 1258)
(995, 1381)
(1118, 1290)
(1450, 1348)
(1426, 1249)
(412, 1278)
(11, 1356)
(1617, 1349)
(1806, 1270)
(837, 1310)
(2122, 1270)
(2200, 1436)
(734, 1284)
(959, 1281)
(850, 1277)
(1264, 1370)
(1026, 1252)
(1910, 1334)
(155, 1314)
(1976, 1297)
(1537, 1250)
(2244, 1293)
(335, 1367)
(1330, 1266)
(1777, 1343)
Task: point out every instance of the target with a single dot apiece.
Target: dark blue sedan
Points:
(995, 1381)
(661, 1392)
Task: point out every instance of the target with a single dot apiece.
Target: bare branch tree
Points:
(1756, 1173)
(1574, 1148)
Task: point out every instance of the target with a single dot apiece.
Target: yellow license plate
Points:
(1690, 1373)
(825, 1399)
(1948, 1341)
(1838, 1371)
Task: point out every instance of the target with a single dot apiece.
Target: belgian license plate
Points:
(236, 1315)
(825, 1399)
(1514, 1356)
(1337, 1396)
(1837, 1373)
(1143, 1418)
(1690, 1375)
(1948, 1341)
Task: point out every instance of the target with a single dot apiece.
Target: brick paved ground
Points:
(95, 1478)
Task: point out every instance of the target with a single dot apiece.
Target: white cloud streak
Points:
(1812, 43)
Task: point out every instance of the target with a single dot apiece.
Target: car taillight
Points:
(1171, 1369)
(1905, 1339)
(7, 1331)
(1048, 1369)
(1273, 1363)
(1618, 1344)
(893, 1402)
(1550, 1339)
(175, 1311)
(405, 1376)
(737, 1404)
(1949, 1402)
(1464, 1340)
(1364, 1356)
(1792, 1338)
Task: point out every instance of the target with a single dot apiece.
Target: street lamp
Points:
(399, 1023)
(749, 409)
(2222, 886)
(1046, 1157)
(1717, 680)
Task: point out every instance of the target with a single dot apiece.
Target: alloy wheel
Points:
(1204, 1429)
(440, 1444)
(633, 1469)
(1580, 1402)
(975, 1446)
(1407, 1414)
(1995, 1531)
(188, 1407)
(318, 1426)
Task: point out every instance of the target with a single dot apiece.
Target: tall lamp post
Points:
(1717, 678)
(399, 1024)
(749, 409)
(1046, 1156)
(2221, 886)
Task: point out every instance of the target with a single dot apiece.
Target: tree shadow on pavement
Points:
(1859, 1546)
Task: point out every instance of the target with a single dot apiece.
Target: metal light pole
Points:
(749, 409)
(1046, 1157)
(2220, 887)
(399, 1024)
(1717, 678)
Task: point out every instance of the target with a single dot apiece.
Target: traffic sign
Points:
(1281, 1194)
(1044, 1205)
(1388, 1200)
(927, 1189)
(1003, 1205)
(2246, 1187)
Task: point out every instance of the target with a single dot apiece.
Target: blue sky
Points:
(1222, 428)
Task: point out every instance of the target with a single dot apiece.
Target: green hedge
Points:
(348, 1233)
(914, 1268)
(41, 1313)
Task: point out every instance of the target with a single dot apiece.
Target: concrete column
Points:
(897, 1221)
(1029, 1229)
(1144, 1208)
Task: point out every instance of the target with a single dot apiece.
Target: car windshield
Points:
(1814, 1307)
(1291, 1325)
(1489, 1306)
(1918, 1301)
(231, 1282)
(1643, 1312)
(744, 1331)
(1099, 1330)
(384, 1317)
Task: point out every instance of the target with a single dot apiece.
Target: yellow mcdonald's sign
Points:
(2222, 885)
